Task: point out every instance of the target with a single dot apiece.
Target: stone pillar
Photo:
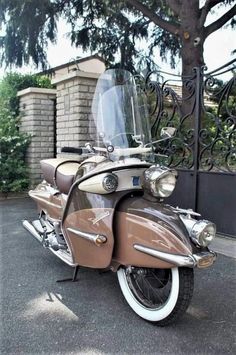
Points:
(74, 99)
(37, 110)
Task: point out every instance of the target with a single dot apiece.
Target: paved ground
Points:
(225, 246)
(40, 316)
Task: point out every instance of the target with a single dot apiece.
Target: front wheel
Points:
(157, 295)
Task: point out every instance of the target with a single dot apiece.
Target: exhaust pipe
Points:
(61, 254)
(30, 228)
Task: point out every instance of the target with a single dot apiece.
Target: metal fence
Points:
(202, 108)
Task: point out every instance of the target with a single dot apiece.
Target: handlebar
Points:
(88, 149)
(72, 150)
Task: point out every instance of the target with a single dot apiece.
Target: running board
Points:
(61, 254)
(64, 256)
(30, 228)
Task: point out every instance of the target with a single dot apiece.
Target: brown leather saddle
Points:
(60, 172)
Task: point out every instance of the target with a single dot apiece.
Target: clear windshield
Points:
(119, 114)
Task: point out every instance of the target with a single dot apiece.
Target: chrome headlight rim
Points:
(196, 229)
(203, 232)
(110, 182)
(153, 177)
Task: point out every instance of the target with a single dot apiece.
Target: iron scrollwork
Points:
(217, 137)
(202, 108)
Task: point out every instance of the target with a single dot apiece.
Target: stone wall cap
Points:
(33, 90)
(75, 74)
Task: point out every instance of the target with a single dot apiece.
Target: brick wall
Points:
(37, 111)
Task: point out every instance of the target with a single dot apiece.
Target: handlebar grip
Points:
(72, 150)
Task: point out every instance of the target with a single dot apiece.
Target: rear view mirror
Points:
(167, 132)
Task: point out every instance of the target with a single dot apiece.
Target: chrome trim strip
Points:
(188, 212)
(178, 260)
(95, 238)
(201, 260)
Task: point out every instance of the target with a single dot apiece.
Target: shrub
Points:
(13, 144)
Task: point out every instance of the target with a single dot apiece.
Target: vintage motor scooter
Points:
(108, 211)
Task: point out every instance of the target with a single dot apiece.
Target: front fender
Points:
(139, 223)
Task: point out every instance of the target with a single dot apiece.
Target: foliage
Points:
(114, 29)
(14, 82)
(13, 144)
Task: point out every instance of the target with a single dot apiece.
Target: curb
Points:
(13, 195)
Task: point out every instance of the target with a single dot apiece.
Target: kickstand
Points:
(74, 278)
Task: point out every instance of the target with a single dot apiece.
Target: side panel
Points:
(95, 221)
(49, 200)
(149, 224)
(90, 213)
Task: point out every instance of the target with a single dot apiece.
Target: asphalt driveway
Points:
(40, 316)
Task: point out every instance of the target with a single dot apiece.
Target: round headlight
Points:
(165, 185)
(110, 182)
(159, 181)
(203, 232)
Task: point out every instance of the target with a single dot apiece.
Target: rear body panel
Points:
(48, 199)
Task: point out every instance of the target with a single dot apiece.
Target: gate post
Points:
(37, 119)
(74, 100)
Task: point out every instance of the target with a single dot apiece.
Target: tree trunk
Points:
(192, 57)
(191, 37)
(191, 52)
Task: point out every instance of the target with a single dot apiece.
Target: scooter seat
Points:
(60, 172)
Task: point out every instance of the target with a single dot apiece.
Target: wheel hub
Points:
(151, 286)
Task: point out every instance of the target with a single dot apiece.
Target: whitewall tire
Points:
(176, 291)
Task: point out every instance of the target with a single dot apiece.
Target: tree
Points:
(110, 27)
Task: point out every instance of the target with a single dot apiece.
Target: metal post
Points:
(197, 124)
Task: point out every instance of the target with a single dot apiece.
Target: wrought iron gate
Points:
(202, 108)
